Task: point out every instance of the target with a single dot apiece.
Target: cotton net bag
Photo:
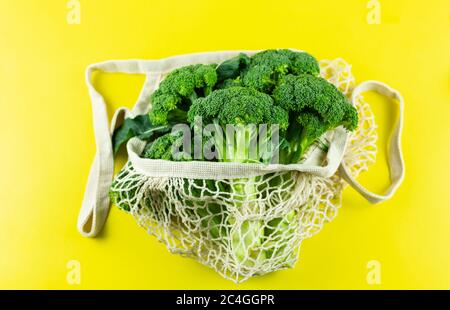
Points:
(188, 205)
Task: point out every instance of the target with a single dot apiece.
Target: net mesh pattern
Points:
(252, 226)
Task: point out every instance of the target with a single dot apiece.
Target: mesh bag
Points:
(258, 227)
(245, 224)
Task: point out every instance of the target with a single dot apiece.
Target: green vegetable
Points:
(276, 230)
(210, 214)
(273, 87)
(268, 67)
(315, 106)
(140, 127)
(231, 68)
(116, 193)
(165, 147)
(178, 90)
(241, 107)
(246, 108)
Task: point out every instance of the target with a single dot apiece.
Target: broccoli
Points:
(301, 63)
(178, 90)
(286, 61)
(139, 126)
(210, 215)
(246, 109)
(115, 195)
(164, 148)
(276, 231)
(260, 77)
(268, 67)
(228, 72)
(315, 106)
(273, 87)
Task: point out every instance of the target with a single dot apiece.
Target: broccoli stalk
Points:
(276, 231)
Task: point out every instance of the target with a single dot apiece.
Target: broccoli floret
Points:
(306, 92)
(315, 106)
(205, 77)
(268, 67)
(161, 148)
(243, 106)
(301, 62)
(207, 108)
(277, 60)
(178, 90)
(122, 197)
(312, 128)
(164, 148)
(114, 196)
(350, 120)
(244, 101)
(164, 108)
(260, 77)
(280, 117)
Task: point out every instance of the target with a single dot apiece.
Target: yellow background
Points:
(47, 137)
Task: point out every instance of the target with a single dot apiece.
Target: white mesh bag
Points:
(189, 205)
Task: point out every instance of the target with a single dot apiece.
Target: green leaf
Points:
(140, 127)
(231, 68)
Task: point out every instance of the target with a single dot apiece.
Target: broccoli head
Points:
(243, 106)
(246, 109)
(268, 67)
(178, 90)
(315, 106)
(238, 106)
(260, 77)
(301, 63)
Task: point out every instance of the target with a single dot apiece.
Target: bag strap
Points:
(96, 204)
(395, 157)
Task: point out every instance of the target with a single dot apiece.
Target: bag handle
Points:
(96, 204)
(395, 157)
